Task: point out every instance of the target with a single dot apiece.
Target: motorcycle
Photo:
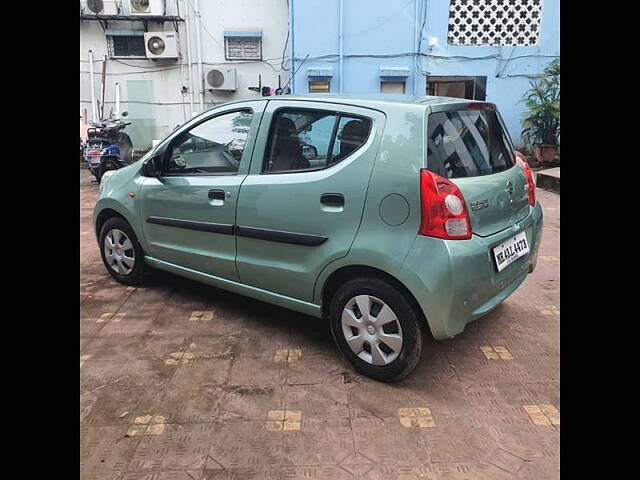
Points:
(107, 147)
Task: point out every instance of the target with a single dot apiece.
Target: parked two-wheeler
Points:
(107, 147)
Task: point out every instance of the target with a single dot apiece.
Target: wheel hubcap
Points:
(119, 252)
(372, 330)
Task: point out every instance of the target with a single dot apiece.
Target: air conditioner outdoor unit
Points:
(161, 44)
(222, 79)
(101, 7)
(145, 7)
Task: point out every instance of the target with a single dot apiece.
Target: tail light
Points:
(444, 212)
(528, 174)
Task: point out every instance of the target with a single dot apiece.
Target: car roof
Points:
(365, 100)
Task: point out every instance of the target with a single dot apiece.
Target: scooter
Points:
(107, 147)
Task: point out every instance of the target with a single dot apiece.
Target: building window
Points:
(126, 46)
(392, 87)
(472, 88)
(319, 86)
(494, 22)
(242, 48)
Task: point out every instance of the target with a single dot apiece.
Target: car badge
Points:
(479, 205)
(510, 187)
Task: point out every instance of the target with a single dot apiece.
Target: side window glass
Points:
(352, 134)
(303, 140)
(212, 147)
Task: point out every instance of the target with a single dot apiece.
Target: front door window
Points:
(214, 146)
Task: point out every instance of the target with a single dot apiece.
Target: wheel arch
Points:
(104, 215)
(109, 209)
(345, 273)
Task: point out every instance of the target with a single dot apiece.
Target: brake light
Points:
(528, 174)
(444, 212)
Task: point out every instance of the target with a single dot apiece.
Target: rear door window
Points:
(467, 143)
(307, 140)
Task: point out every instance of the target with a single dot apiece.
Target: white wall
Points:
(168, 107)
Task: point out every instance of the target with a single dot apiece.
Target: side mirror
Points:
(152, 167)
(124, 114)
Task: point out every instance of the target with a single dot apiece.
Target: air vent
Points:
(140, 6)
(215, 78)
(95, 6)
(156, 45)
(146, 7)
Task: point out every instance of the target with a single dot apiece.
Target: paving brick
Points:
(206, 410)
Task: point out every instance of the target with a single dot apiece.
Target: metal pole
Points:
(104, 84)
(117, 112)
(187, 23)
(94, 106)
(341, 48)
(199, 52)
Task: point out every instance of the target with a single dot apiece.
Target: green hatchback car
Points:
(386, 217)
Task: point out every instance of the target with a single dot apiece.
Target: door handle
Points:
(216, 197)
(332, 199)
(216, 194)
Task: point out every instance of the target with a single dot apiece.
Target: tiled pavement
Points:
(244, 390)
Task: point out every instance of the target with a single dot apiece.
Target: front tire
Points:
(121, 252)
(376, 327)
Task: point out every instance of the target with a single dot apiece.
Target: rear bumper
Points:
(456, 282)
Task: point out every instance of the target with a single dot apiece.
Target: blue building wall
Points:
(383, 33)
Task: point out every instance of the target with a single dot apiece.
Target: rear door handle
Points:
(216, 194)
(332, 199)
(216, 197)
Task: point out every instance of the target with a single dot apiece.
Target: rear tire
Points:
(121, 252)
(385, 342)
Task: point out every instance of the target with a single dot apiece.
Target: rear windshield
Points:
(467, 143)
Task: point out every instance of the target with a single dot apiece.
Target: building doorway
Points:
(472, 88)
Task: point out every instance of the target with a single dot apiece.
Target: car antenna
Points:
(294, 73)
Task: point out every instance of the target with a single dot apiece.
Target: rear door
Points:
(188, 212)
(301, 204)
(472, 148)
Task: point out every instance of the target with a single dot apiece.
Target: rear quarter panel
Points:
(394, 187)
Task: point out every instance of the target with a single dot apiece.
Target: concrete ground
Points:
(183, 381)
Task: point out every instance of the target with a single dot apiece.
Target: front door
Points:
(189, 211)
(301, 204)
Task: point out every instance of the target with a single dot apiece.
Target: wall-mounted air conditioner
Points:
(145, 7)
(222, 79)
(100, 7)
(161, 44)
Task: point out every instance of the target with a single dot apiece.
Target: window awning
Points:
(320, 72)
(243, 33)
(394, 73)
(123, 32)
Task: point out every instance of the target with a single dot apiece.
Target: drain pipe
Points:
(199, 53)
(341, 40)
(187, 24)
(117, 112)
(94, 106)
(292, 50)
(416, 42)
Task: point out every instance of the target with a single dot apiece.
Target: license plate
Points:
(510, 250)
